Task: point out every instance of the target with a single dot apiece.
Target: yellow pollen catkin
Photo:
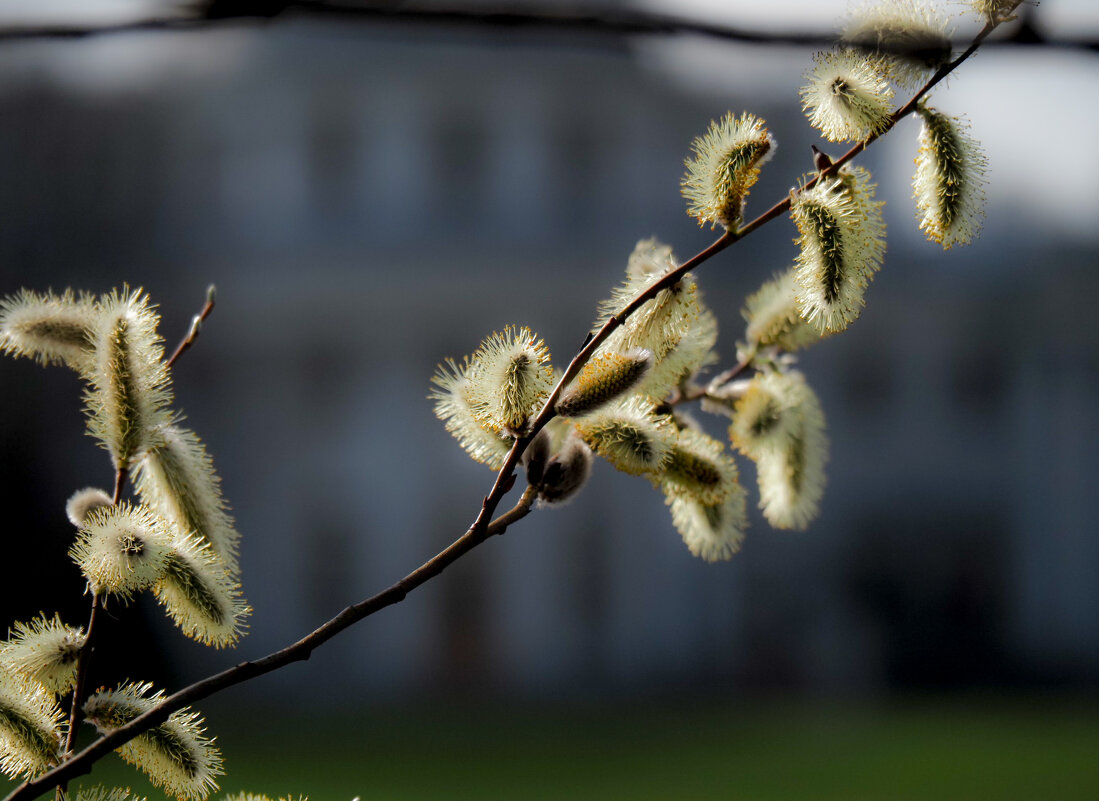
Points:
(604, 378)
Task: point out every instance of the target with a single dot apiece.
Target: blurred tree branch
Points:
(610, 23)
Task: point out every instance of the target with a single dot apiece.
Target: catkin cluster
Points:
(625, 404)
(176, 540)
(613, 408)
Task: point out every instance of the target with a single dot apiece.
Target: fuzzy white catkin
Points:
(725, 166)
(905, 40)
(176, 478)
(949, 179)
(662, 320)
(995, 11)
(200, 595)
(629, 434)
(31, 726)
(537, 455)
(83, 502)
(791, 471)
(690, 354)
(130, 393)
(698, 466)
(45, 650)
(842, 243)
(175, 755)
(673, 325)
(509, 378)
(774, 319)
(712, 532)
(123, 549)
(52, 329)
(766, 414)
(845, 98)
(451, 396)
(605, 377)
(565, 472)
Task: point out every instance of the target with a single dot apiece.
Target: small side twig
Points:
(196, 326)
(724, 378)
(688, 392)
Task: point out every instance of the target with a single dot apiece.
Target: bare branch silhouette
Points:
(612, 24)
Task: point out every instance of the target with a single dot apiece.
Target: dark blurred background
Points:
(371, 198)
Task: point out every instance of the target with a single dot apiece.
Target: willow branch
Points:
(297, 652)
(506, 476)
(481, 529)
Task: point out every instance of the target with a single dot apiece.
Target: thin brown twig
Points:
(730, 374)
(688, 392)
(119, 485)
(196, 326)
(84, 658)
(76, 713)
(480, 530)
